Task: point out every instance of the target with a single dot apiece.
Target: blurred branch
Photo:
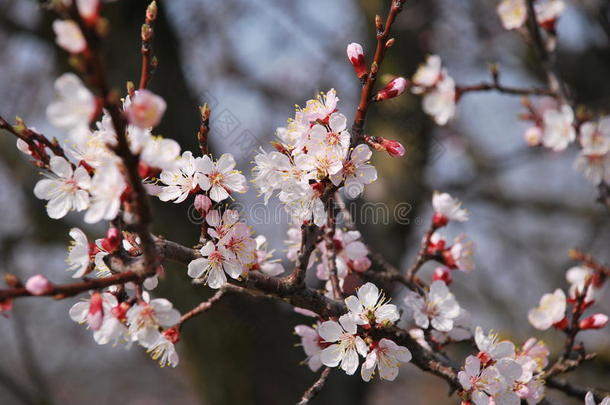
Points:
(316, 387)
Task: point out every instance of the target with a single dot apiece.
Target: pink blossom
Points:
(393, 89)
(356, 57)
(145, 109)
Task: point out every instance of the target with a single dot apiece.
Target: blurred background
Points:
(252, 60)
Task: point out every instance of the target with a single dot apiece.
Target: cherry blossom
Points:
(220, 177)
(491, 348)
(386, 356)
(551, 310)
(513, 13)
(65, 189)
(145, 318)
(321, 107)
(369, 307)
(578, 276)
(212, 266)
(112, 329)
(490, 385)
(427, 75)
(559, 129)
(79, 253)
(440, 102)
(310, 340)
(107, 186)
(69, 36)
(345, 344)
(74, 105)
(145, 109)
(438, 308)
(263, 258)
(356, 172)
(163, 351)
(181, 181)
(447, 208)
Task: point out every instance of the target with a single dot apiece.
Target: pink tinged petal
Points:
(204, 165)
(197, 267)
(168, 318)
(589, 399)
(442, 324)
(314, 363)
(472, 366)
(233, 269)
(82, 178)
(366, 371)
(388, 369)
(204, 182)
(61, 167)
(216, 278)
(510, 370)
(331, 356)
(480, 398)
(330, 331)
(81, 200)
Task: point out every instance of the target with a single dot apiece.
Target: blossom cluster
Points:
(503, 375)
(313, 153)
(342, 343)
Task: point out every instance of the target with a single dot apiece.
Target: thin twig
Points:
(202, 307)
(316, 387)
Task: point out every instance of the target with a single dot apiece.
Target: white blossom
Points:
(212, 266)
(145, 318)
(79, 258)
(369, 306)
(107, 186)
(310, 340)
(220, 177)
(65, 189)
(449, 207)
(69, 36)
(356, 172)
(438, 308)
(440, 101)
(345, 344)
(386, 356)
(163, 351)
(551, 310)
(559, 129)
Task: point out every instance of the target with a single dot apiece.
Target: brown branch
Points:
(331, 249)
(111, 102)
(204, 128)
(316, 387)
(202, 307)
(309, 235)
(369, 80)
(496, 86)
(422, 256)
(576, 391)
(148, 64)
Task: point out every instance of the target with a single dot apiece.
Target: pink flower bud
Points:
(202, 204)
(394, 148)
(146, 109)
(439, 220)
(595, 321)
(361, 265)
(443, 274)
(356, 57)
(96, 311)
(112, 240)
(88, 9)
(38, 285)
(393, 89)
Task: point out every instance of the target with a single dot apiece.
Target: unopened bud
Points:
(595, 321)
(394, 148)
(88, 10)
(95, 316)
(356, 57)
(390, 42)
(443, 274)
(151, 12)
(439, 220)
(561, 325)
(393, 89)
(378, 23)
(146, 109)
(38, 285)
(202, 204)
(146, 32)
